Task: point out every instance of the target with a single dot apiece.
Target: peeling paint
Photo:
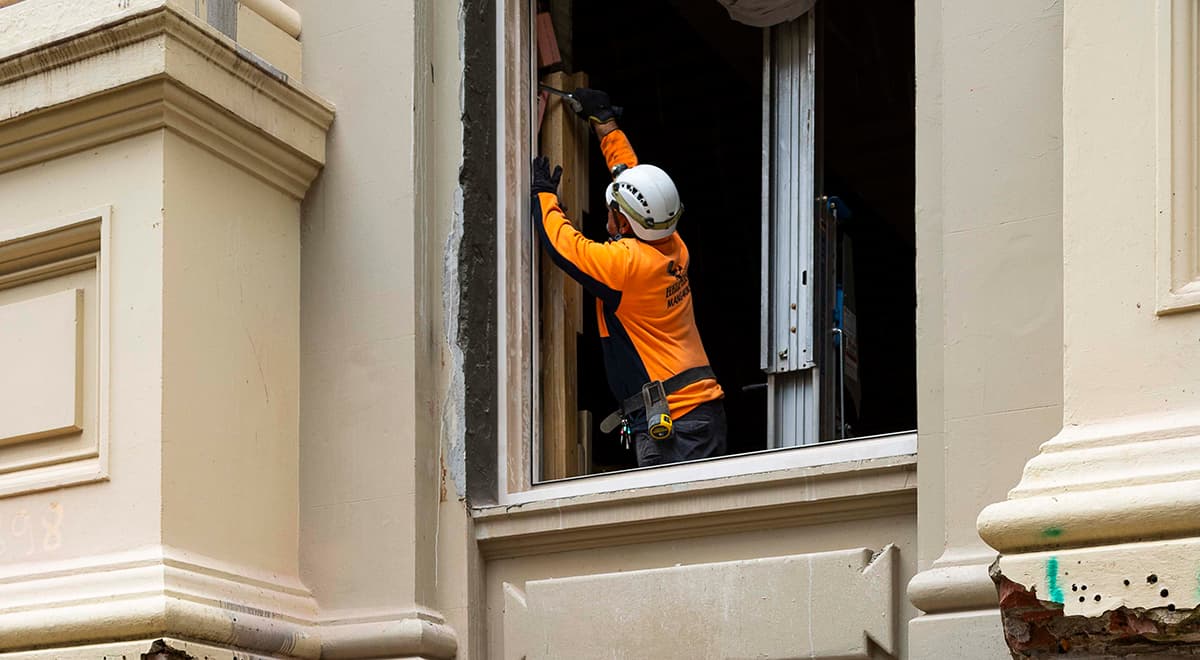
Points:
(1035, 628)
(453, 409)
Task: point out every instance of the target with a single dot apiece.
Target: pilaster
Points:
(1098, 541)
(151, 170)
(988, 286)
(384, 533)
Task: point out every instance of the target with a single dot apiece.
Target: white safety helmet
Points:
(647, 196)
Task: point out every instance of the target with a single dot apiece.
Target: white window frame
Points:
(517, 323)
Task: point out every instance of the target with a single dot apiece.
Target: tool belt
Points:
(653, 399)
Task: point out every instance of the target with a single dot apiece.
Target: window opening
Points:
(793, 151)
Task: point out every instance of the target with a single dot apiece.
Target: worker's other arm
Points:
(600, 267)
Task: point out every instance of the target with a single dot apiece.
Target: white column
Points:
(989, 296)
(151, 174)
(1102, 527)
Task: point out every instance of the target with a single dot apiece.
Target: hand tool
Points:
(570, 99)
(567, 96)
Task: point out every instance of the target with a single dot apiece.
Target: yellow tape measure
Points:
(661, 427)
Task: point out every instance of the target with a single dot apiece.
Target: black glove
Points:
(595, 106)
(543, 180)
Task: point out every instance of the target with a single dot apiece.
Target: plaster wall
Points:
(383, 528)
(989, 286)
(233, 348)
(141, 130)
(358, 319)
(113, 176)
(1114, 191)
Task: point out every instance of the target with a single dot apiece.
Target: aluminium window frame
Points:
(516, 347)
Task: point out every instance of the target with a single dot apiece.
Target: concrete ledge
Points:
(853, 490)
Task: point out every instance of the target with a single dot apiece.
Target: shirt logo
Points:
(680, 289)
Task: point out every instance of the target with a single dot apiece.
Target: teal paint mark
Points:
(1056, 593)
(1052, 532)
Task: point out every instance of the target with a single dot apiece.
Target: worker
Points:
(669, 400)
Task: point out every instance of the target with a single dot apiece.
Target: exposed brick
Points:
(1035, 628)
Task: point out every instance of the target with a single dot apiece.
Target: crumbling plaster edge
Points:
(1035, 627)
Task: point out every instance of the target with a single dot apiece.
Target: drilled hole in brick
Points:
(1081, 599)
(1171, 607)
(1152, 578)
(1074, 587)
(1083, 587)
(1164, 593)
(1097, 598)
(1127, 583)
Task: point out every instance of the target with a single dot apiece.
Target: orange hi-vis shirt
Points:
(643, 299)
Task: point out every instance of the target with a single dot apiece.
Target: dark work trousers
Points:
(698, 434)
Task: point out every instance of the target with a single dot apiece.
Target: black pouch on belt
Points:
(658, 414)
(653, 399)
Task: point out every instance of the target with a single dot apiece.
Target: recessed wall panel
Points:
(40, 367)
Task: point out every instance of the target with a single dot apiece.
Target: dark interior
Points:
(865, 54)
(690, 80)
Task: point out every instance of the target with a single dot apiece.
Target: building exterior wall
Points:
(989, 286)
(288, 367)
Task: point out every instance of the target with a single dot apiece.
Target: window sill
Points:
(799, 486)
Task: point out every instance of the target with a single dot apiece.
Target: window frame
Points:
(516, 322)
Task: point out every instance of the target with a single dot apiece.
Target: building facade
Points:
(283, 375)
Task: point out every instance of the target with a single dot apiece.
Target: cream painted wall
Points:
(1112, 496)
(374, 354)
(113, 175)
(358, 316)
(1112, 192)
(236, 349)
(989, 274)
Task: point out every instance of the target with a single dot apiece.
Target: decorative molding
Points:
(388, 634)
(805, 496)
(154, 592)
(954, 584)
(162, 592)
(37, 253)
(1177, 248)
(1079, 490)
(196, 82)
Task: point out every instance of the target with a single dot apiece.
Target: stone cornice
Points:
(160, 69)
(803, 496)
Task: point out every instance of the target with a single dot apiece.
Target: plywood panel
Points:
(564, 140)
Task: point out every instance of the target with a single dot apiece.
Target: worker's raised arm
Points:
(600, 267)
(595, 106)
(616, 147)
